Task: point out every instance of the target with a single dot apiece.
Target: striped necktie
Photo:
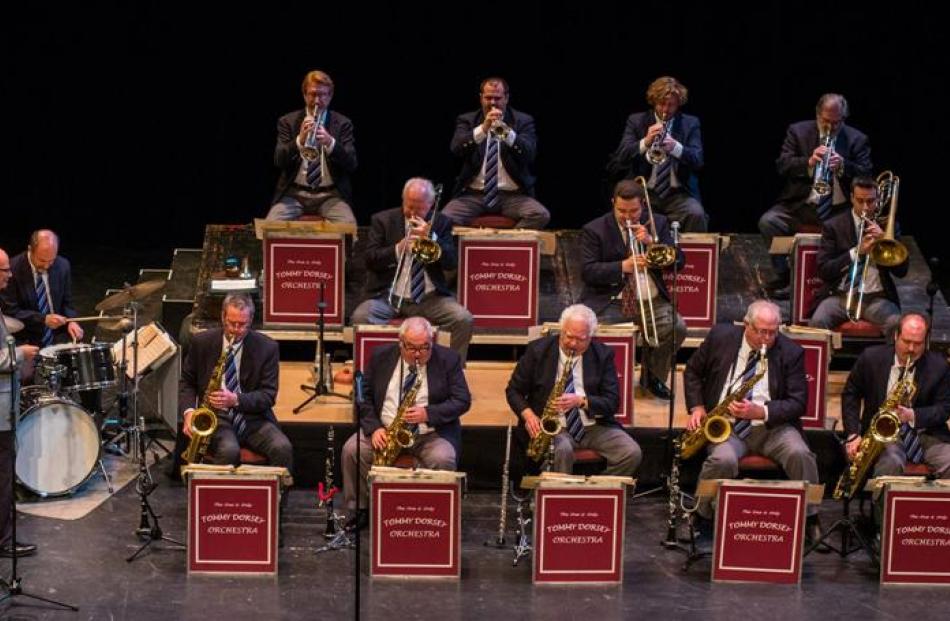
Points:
(232, 383)
(575, 426)
(663, 185)
(491, 173)
(743, 427)
(910, 440)
(42, 304)
(407, 384)
(315, 170)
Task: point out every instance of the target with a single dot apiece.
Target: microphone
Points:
(358, 387)
(933, 286)
(11, 345)
(676, 232)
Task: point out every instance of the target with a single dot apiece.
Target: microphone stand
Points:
(357, 402)
(14, 585)
(320, 365)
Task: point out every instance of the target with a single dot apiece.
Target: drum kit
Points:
(58, 439)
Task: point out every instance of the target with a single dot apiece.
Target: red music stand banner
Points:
(295, 268)
(759, 533)
(416, 527)
(498, 280)
(578, 534)
(232, 523)
(366, 338)
(698, 281)
(915, 536)
(806, 282)
(624, 348)
(817, 346)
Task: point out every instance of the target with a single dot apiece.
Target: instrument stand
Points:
(14, 586)
(677, 511)
(341, 540)
(320, 370)
(692, 551)
(848, 528)
(523, 546)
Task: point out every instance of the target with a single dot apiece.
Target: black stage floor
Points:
(83, 563)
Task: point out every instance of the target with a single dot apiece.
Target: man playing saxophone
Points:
(434, 374)
(768, 420)
(924, 437)
(584, 403)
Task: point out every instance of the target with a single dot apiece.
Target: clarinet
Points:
(674, 501)
(326, 490)
(503, 513)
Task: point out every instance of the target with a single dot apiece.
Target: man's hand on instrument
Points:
(54, 321)
(223, 399)
(568, 401)
(747, 409)
(379, 438)
(305, 130)
(531, 423)
(417, 414)
(75, 330)
(695, 418)
(851, 447)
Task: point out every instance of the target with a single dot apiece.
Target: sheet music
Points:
(155, 346)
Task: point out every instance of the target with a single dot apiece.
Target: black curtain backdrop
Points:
(135, 124)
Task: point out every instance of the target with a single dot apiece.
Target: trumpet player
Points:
(924, 437)
(497, 145)
(442, 398)
(824, 143)
(397, 277)
(768, 420)
(608, 268)
(316, 155)
(665, 146)
(856, 285)
(586, 406)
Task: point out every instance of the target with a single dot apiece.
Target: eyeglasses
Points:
(417, 349)
(763, 332)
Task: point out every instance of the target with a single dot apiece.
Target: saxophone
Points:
(203, 418)
(398, 435)
(884, 429)
(550, 421)
(716, 426)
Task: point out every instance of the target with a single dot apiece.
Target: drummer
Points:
(40, 293)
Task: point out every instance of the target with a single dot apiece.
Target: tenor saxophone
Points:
(550, 421)
(203, 418)
(398, 435)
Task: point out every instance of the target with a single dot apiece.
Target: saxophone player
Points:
(245, 399)
(587, 404)
(442, 397)
(924, 436)
(768, 420)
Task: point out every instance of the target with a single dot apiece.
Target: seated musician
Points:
(767, 421)
(610, 283)
(419, 289)
(434, 372)
(245, 398)
(923, 436)
(572, 378)
(841, 252)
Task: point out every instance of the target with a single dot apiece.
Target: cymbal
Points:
(135, 292)
(13, 324)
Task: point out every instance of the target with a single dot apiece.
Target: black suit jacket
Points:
(866, 389)
(259, 374)
(838, 237)
(534, 376)
(387, 229)
(627, 162)
(708, 371)
(342, 161)
(517, 159)
(19, 298)
(801, 139)
(449, 397)
(603, 249)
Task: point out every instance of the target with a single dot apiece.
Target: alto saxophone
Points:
(203, 418)
(716, 425)
(885, 428)
(550, 421)
(398, 435)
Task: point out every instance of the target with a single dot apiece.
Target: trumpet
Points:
(311, 147)
(655, 153)
(658, 256)
(822, 180)
(425, 250)
(885, 251)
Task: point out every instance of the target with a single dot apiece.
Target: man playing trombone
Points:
(406, 256)
(617, 269)
(858, 283)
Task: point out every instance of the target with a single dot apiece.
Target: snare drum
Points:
(78, 366)
(57, 446)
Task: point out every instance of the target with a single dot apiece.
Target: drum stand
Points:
(14, 585)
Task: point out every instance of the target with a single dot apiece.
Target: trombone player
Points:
(613, 273)
(402, 281)
(858, 280)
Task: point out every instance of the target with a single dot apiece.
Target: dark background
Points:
(134, 126)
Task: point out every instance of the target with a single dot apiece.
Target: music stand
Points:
(320, 371)
(14, 585)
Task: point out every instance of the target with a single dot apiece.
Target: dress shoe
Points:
(18, 549)
(702, 533)
(656, 387)
(813, 534)
(357, 521)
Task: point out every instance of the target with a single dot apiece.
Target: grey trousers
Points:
(682, 208)
(622, 452)
(877, 309)
(656, 360)
(297, 202)
(936, 455)
(268, 440)
(524, 210)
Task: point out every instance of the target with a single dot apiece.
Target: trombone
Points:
(657, 256)
(425, 250)
(885, 251)
(311, 148)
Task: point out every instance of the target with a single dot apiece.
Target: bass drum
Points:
(57, 447)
